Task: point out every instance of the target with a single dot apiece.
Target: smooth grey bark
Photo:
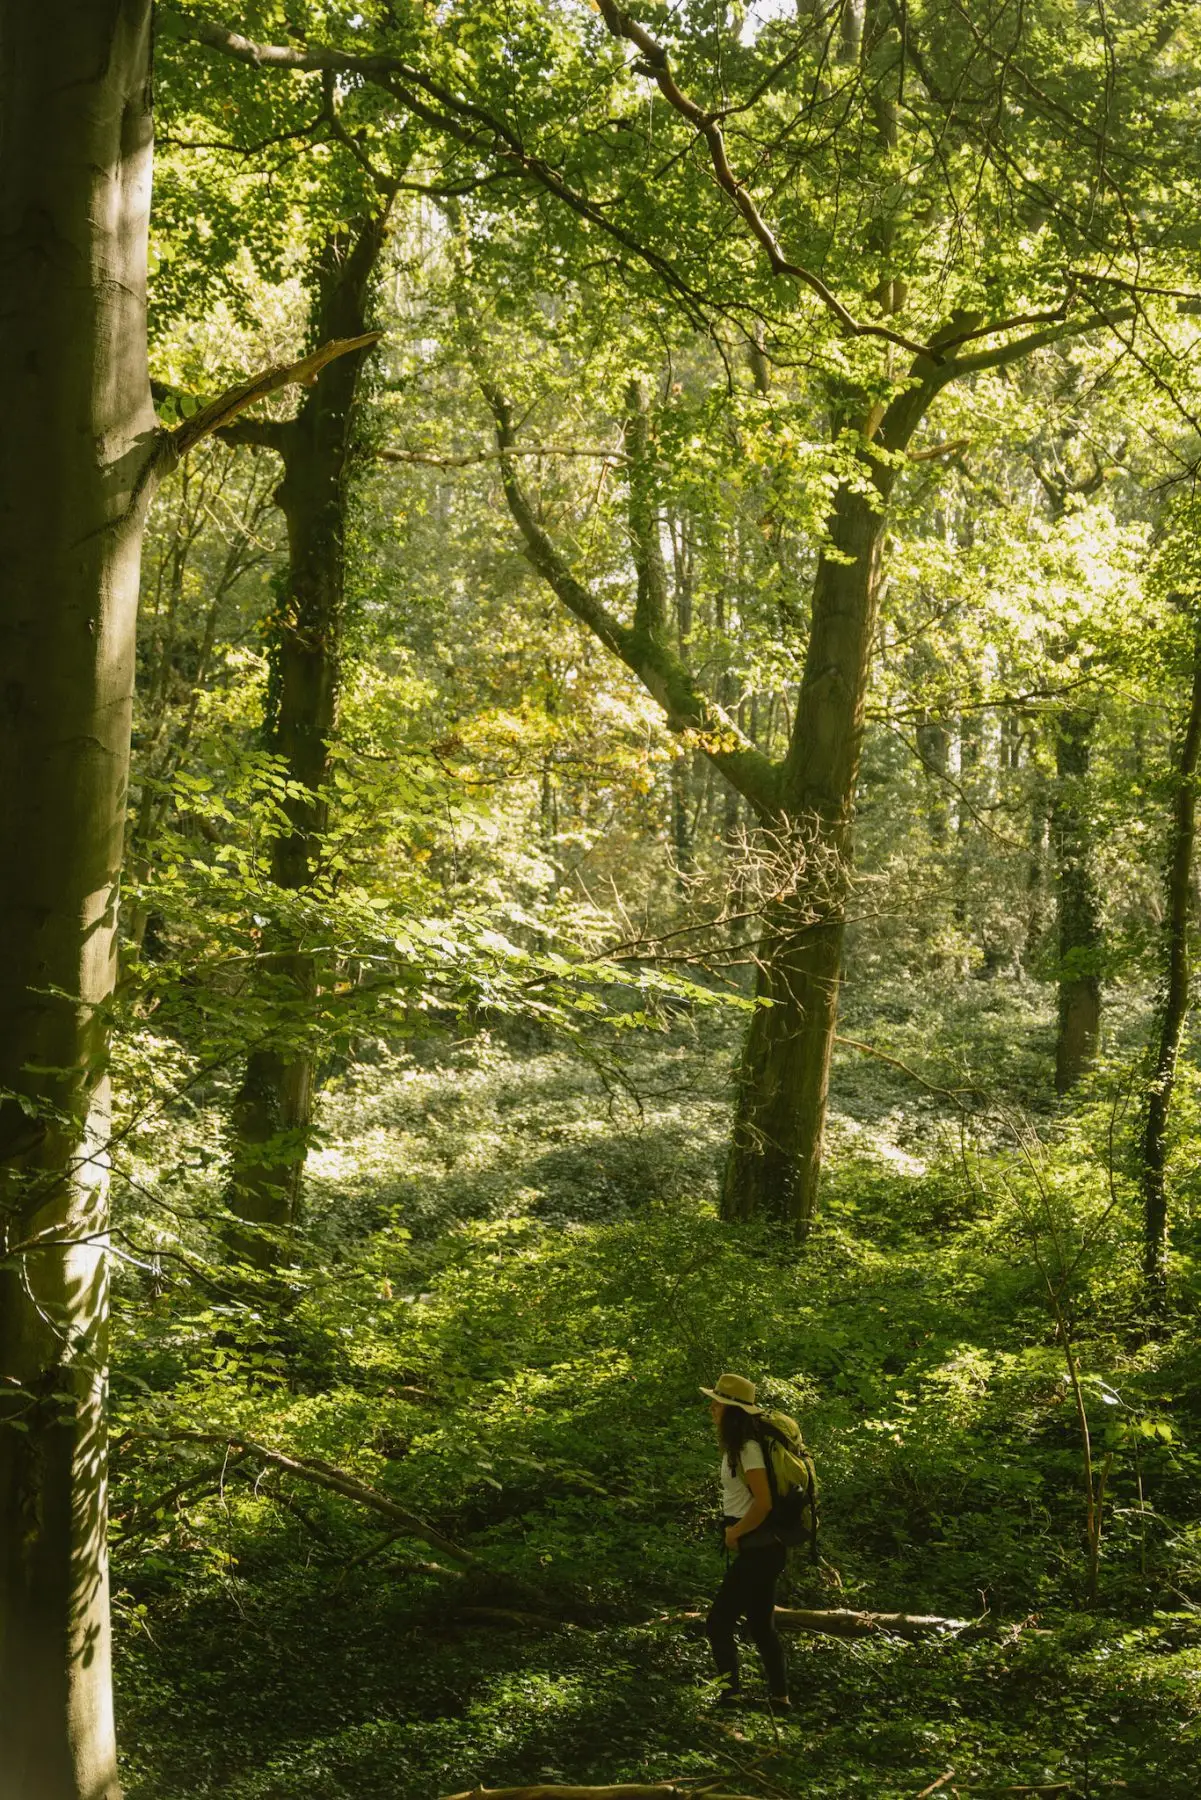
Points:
(272, 1115)
(79, 456)
(75, 165)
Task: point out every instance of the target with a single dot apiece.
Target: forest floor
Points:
(517, 1283)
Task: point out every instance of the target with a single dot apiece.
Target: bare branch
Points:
(222, 411)
(937, 450)
(336, 1481)
(469, 458)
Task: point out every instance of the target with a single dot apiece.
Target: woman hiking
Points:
(749, 1588)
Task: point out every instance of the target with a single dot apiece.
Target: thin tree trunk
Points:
(75, 161)
(967, 737)
(934, 748)
(272, 1114)
(1077, 902)
(683, 768)
(1036, 867)
(1174, 998)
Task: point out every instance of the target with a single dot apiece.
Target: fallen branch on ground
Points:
(339, 1481)
(137, 1521)
(843, 1622)
(635, 1791)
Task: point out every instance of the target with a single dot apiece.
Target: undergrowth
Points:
(515, 1282)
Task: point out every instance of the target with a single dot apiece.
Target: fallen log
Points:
(627, 1791)
(335, 1481)
(841, 1621)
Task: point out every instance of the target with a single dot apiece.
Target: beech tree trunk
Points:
(273, 1112)
(75, 164)
(1077, 902)
(1173, 999)
(774, 1160)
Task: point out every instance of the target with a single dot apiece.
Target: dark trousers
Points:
(749, 1592)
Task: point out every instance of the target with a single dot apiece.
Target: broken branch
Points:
(225, 408)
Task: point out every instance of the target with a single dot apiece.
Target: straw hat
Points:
(734, 1390)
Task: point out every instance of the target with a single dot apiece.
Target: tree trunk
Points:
(934, 749)
(1036, 867)
(272, 1115)
(774, 1160)
(1078, 904)
(803, 806)
(681, 822)
(75, 163)
(1174, 998)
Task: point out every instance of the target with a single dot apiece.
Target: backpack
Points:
(792, 1480)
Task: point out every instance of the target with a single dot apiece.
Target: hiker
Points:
(754, 1564)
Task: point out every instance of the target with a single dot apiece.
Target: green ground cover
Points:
(515, 1281)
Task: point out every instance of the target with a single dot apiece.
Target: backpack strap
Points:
(764, 1444)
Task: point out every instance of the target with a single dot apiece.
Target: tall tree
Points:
(804, 802)
(272, 1114)
(79, 458)
(967, 212)
(75, 155)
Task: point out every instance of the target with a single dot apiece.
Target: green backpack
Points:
(792, 1479)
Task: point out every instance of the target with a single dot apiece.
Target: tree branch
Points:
(659, 669)
(337, 1481)
(936, 450)
(637, 1790)
(469, 458)
(1003, 354)
(222, 411)
(658, 65)
(465, 121)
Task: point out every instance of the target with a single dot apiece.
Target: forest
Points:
(600, 652)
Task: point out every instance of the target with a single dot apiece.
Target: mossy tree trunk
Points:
(774, 1160)
(272, 1115)
(75, 164)
(1172, 1010)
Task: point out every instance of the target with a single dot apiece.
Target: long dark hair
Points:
(737, 1428)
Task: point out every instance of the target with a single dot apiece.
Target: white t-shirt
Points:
(736, 1497)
